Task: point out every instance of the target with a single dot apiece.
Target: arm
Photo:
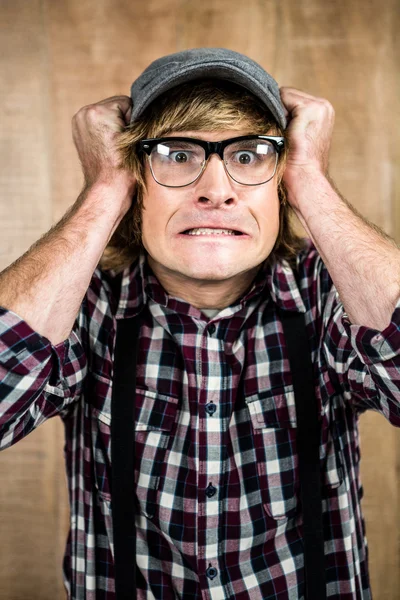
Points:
(47, 284)
(363, 351)
(364, 262)
(360, 364)
(44, 325)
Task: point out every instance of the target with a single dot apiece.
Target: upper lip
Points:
(214, 226)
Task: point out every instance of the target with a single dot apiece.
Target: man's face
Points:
(206, 270)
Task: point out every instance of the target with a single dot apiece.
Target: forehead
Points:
(211, 136)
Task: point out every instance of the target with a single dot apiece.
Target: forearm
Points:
(47, 284)
(363, 261)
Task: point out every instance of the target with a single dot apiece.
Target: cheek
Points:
(156, 213)
(268, 211)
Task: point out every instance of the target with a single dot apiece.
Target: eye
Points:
(179, 156)
(178, 153)
(245, 157)
(250, 153)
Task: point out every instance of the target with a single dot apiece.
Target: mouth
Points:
(220, 234)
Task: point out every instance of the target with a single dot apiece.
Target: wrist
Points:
(306, 185)
(302, 176)
(115, 194)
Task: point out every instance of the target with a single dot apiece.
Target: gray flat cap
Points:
(220, 63)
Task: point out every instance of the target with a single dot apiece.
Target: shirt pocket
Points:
(274, 424)
(155, 418)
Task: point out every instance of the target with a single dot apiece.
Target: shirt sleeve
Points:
(37, 380)
(367, 361)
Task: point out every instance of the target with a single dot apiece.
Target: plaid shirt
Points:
(218, 511)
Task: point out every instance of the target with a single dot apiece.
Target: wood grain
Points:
(31, 473)
(57, 56)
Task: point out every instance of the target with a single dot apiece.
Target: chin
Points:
(209, 269)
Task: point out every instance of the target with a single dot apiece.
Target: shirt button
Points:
(210, 490)
(211, 408)
(211, 328)
(211, 572)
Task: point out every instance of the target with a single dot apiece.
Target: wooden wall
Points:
(59, 55)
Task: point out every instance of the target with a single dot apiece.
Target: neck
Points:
(203, 293)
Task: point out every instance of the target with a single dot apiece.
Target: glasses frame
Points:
(146, 146)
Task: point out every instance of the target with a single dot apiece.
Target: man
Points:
(216, 472)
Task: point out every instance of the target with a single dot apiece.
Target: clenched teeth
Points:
(206, 231)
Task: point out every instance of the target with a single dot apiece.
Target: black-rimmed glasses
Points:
(180, 161)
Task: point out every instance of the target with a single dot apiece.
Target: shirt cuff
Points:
(22, 350)
(374, 346)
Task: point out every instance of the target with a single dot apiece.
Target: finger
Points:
(294, 103)
(293, 98)
(123, 105)
(113, 99)
(125, 108)
(291, 90)
(129, 112)
(128, 115)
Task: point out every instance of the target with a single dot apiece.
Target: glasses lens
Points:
(251, 161)
(176, 163)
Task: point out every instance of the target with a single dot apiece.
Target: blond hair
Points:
(208, 105)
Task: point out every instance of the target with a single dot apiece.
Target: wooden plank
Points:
(31, 481)
(250, 27)
(60, 56)
(24, 175)
(379, 442)
(97, 50)
(333, 51)
(345, 52)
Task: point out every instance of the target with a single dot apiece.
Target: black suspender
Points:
(123, 453)
(123, 457)
(308, 439)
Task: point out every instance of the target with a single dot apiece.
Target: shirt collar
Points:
(139, 283)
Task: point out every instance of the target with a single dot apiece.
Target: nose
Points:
(214, 184)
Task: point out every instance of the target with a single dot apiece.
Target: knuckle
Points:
(327, 104)
(92, 109)
(80, 114)
(76, 116)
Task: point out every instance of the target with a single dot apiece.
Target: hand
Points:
(95, 128)
(310, 127)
